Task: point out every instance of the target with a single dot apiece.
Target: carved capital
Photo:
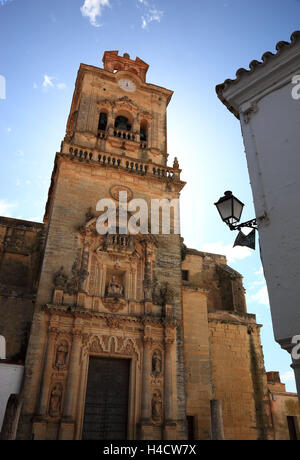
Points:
(77, 334)
(148, 341)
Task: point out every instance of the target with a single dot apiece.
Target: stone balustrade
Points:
(133, 166)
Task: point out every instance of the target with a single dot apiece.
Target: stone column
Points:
(49, 356)
(40, 423)
(169, 344)
(67, 428)
(146, 424)
(146, 394)
(217, 428)
(170, 391)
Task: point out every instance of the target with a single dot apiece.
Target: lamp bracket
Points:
(250, 224)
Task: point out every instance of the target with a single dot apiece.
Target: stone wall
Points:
(238, 375)
(282, 406)
(21, 246)
(222, 349)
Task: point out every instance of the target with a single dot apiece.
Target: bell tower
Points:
(114, 110)
(108, 315)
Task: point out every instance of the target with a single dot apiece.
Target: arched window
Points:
(123, 123)
(2, 347)
(144, 131)
(102, 121)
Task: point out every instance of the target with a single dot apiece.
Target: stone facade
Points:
(284, 410)
(177, 315)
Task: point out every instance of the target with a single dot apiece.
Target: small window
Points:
(102, 121)
(185, 275)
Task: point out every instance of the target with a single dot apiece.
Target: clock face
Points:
(127, 85)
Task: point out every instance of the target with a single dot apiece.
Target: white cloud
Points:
(151, 14)
(5, 208)
(61, 86)
(3, 2)
(92, 9)
(35, 86)
(288, 377)
(262, 296)
(231, 253)
(9, 130)
(48, 81)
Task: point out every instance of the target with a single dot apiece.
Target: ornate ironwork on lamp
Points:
(230, 209)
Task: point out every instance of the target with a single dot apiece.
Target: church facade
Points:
(125, 336)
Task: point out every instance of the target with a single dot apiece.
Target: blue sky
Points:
(191, 46)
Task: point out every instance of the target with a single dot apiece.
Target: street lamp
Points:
(230, 209)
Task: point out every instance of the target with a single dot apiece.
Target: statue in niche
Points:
(55, 401)
(115, 288)
(156, 364)
(61, 355)
(156, 406)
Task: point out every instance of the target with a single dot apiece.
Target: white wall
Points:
(270, 121)
(2, 347)
(10, 383)
(272, 140)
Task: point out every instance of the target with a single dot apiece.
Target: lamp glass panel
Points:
(225, 209)
(237, 209)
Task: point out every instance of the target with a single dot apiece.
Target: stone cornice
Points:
(227, 317)
(77, 312)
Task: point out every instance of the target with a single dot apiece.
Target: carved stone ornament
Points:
(62, 352)
(55, 401)
(115, 288)
(156, 406)
(113, 323)
(163, 294)
(79, 273)
(116, 189)
(60, 279)
(156, 364)
(89, 215)
(114, 304)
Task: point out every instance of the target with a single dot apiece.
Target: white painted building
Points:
(266, 99)
(10, 379)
